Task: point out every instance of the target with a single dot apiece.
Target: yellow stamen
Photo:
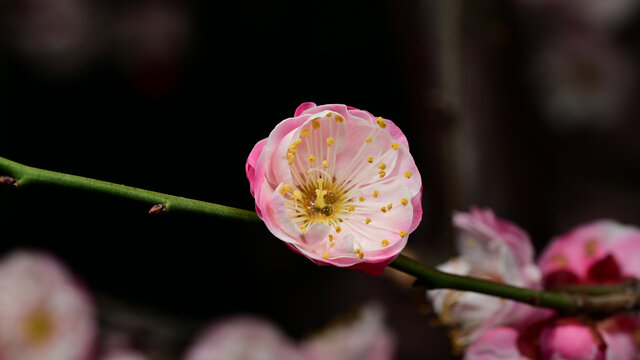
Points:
(404, 201)
(375, 193)
(339, 118)
(408, 174)
(315, 124)
(285, 189)
(367, 220)
(385, 242)
(368, 140)
(305, 132)
(382, 173)
(312, 158)
(382, 166)
(389, 206)
(330, 141)
(303, 228)
(297, 195)
(330, 237)
(383, 209)
(338, 229)
(370, 159)
(403, 233)
(361, 198)
(351, 208)
(381, 123)
(329, 114)
(325, 164)
(325, 255)
(395, 146)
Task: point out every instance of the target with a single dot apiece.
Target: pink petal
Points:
(497, 344)
(569, 339)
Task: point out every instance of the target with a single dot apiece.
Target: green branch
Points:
(565, 302)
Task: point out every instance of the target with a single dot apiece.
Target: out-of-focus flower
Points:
(493, 249)
(124, 354)
(582, 78)
(365, 338)
(57, 34)
(245, 338)
(570, 339)
(597, 13)
(44, 314)
(337, 185)
(599, 252)
(501, 343)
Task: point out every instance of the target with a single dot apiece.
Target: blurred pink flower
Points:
(599, 252)
(501, 343)
(245, 338)
(493, 249)
(570, 339)
(338, 186)
(124, 354)
(364, 338)
(44, 313)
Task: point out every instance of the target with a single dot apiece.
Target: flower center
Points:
(322, 202)
(38, 327)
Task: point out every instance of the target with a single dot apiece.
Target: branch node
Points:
(158, 209)
(8, 180)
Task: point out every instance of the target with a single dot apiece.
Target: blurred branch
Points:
(626, 299)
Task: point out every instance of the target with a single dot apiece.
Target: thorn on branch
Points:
(8, 180)
(158, 209)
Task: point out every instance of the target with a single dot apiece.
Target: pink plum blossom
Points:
(338, 186)
(44, 313)
(245, 338)
(501, 343)
(493, 249)
(364, 338)
(603, 251)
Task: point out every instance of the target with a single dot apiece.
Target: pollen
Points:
(381, 123)
(403, 233)
(303, 228)
(285, 189)
(359, 253)
(325, 255)
(330, 237)
(370, 159)
(325, 164)
(395, 146)
(404, 201)
(361, 199)
(408, 174)
(368, 140)
(305, 132)
(329, 114)
(385, 242)
(330, 141)
(383, 209)
(297, 194)
(375, 193)
(367, 220)
(382, 166)
(351, 208)
(389, 206)
(339, 118)
(312, 158)
(315, 124)
(338, 229)
(382, 173)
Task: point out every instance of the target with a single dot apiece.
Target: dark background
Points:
(175, 105)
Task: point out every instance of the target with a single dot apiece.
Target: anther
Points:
(361, 198)
(403, 233)
(385, 242)
(368, 140)
(351, 208)
(330, 141)
(382, 166)
(325, 255)
(339, 118)
(325, 164)
(408, 174)
(370, 159)
(329, 114)
(383, 209)
(375, 193)
(312, 158)
(303, 228)
(382, 173)
(367, 220)
(389, 206)
(395, 146)
(305, 132)
(404, 201)
(315, 124)
(338, 229)
(381, 123)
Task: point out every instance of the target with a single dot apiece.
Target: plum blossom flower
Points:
(338, 186)
(44, 314)
(364, 338)
(493, 249)
(500, 343)
(246, 338)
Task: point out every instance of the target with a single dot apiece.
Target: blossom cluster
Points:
(484, 327)
(46, 313)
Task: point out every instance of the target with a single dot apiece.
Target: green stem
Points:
(564, 302)
(27, 175)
